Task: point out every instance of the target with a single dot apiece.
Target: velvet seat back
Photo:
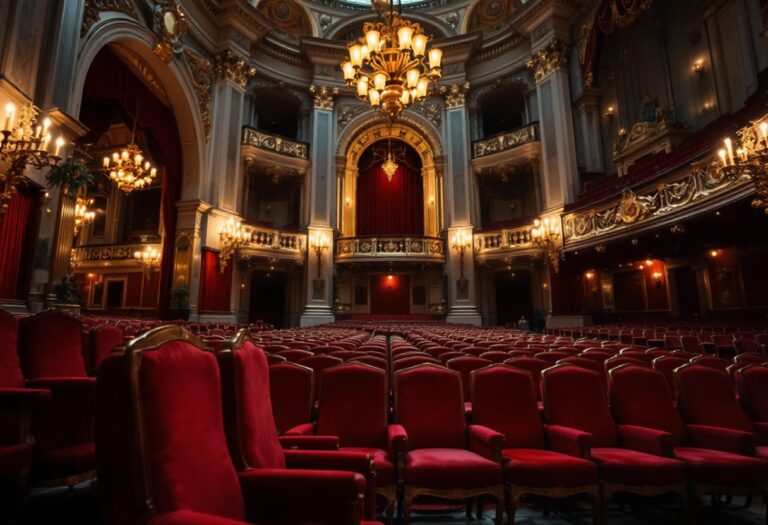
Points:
(318, 363)
(101, 341)
(642, 397)
(353, 405)
(706, 396)
(753, 388)
(249, 422)
(50, 345)
(464, 366)
(532, 365)
(504, 399)
(291, 387)
(429, 404)
(574, 397)
(10, 370)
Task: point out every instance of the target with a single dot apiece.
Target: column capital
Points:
(323, 96)
(549, 59)
(231, 66)
(455, 95)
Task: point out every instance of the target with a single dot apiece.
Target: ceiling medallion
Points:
(389, 66)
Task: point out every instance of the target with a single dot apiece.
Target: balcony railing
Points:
(102, 253)
(279, 243)
(505, 141)
(275, 143)
(390, 248)
(487, 243)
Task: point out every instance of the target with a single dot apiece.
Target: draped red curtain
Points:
(111, 88)
(215, 285)
(390, 294)
(18, 231)
(387, 207)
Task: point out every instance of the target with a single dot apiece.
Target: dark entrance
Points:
(513, 296)
(687, 291)
(268, 297)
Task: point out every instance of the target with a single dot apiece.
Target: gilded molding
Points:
(348, 112)
(455, 95)
(201, 70)
(390, 247)
(170, 26)
(548, 60)
(231, 66)
(432, 112)
(323, 96)
(94, 8)
(505, 141)
(269, 142)
(698, 184)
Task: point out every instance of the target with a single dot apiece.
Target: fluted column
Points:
(318, 271)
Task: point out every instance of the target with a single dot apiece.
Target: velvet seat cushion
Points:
(385, 469)
(714, 467)
(291, 388)
(546, 469)
(14, 459)
(50, 345)
(707, 397)
(10, 370)
(62, 462)
(450, 468)
(630, 467)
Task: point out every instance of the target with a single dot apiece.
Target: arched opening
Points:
(123, 102)
(503, 109)
(276, 111)
(390, 203)
(514, 297)
(268, 297)
(507, 196)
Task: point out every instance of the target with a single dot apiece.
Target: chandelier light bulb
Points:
(412, 77)
(380, 81)
(435, 58)
(10, 114)
(405, 97)
(419, 43)
(404, 37)
(421, 88)
(349, 70)
(362, 87)
(372, 39)
(356, 55)
(374, 97)
(366, 52)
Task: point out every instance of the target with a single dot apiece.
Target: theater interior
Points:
(358, 262)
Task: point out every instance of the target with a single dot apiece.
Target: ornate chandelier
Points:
(83, 215)
(749, 157)
(545, 235)
(23, 144)
(127, 170)
(148, 258)
(389, 166)
(231, 237)
(388, 66)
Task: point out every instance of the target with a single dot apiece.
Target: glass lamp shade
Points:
(404, 37)
(419, 43)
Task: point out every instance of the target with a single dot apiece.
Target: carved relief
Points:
(455, 95)
(231, 66)
(275, 143)
(94, 8)
(548, 60)
(505, 141)
(201, 70)
(348, 113)
(170, 26)
(432, 112)
(323, 96)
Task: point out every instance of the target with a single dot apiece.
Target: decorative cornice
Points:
(455, 95)
(270, 142)
(548, 60)
(432, 112)
(201, 71)
(348, 112)
(231, 66)
(94, 8)
(323, 96)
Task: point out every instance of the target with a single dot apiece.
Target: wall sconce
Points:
(431, 200)
(319, 242)
(589, 275)
(231, 236)
(657, 278)
(461, 242)
(147, 259)
(649, 262)
(698, 67)
(610, 111)
(545, 234)
(348, 202)
(714, 253)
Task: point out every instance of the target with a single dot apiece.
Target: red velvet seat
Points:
(552, 357)
(250, 427)
(441, 458)
(532, 365)
(568, 391)
(102, 340)
(181, 471)
(667, 365)
(291, 389)
(642, 398)
(465, 366)
(318, 363)
(51, 357)
(752, 385)
(294, 355)
(353, 405)
(622, 359)
(711, 362)
(378, 362)
(495, 356)
(273, 359)
(504, 400)
(447, 356)
(412, 360)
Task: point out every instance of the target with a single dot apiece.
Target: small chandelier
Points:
(388, 66)
(148, 258)
(545, 235)
(23, 144)
(83, 215)
(749, 157)
(231, 236)
(127, 170)
(389, 165)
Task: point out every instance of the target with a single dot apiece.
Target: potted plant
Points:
(70, 176)
(179, 303)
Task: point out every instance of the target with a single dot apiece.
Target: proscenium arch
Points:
(358, 138)
(174, 79)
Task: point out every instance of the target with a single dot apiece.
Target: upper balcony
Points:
(269, 150)
(520, 144)
(390, 248)
(273, 244)
(99, 256)
(506, 242)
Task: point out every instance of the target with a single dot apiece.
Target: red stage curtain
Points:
(393, 207)
(111, 83)
(390, 294)
(215, 286)
(18, 231)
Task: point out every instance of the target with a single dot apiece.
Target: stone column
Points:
(588, 123)
(560, 176)
(322, 186)
(188, 242)
(462, 305)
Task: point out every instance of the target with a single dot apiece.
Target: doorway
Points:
(268, 290)
(687, 292)
(391, 294)
(513, 296)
